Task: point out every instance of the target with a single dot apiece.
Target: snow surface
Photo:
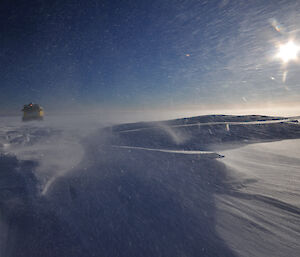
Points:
(264, 202)
(75, 188)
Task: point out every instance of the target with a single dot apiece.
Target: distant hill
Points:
(201, 132)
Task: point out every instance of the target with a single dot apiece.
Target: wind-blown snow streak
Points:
(163, 150)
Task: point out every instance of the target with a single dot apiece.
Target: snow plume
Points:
(62, 156)
(53, 144)
(177, 136)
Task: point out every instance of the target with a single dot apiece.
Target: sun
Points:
(288, 52)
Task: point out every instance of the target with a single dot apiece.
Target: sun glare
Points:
(288, 52)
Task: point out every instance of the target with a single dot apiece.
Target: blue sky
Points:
(146, 54)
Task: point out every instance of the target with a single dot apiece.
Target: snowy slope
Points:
(201, 186)
(264, 202)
